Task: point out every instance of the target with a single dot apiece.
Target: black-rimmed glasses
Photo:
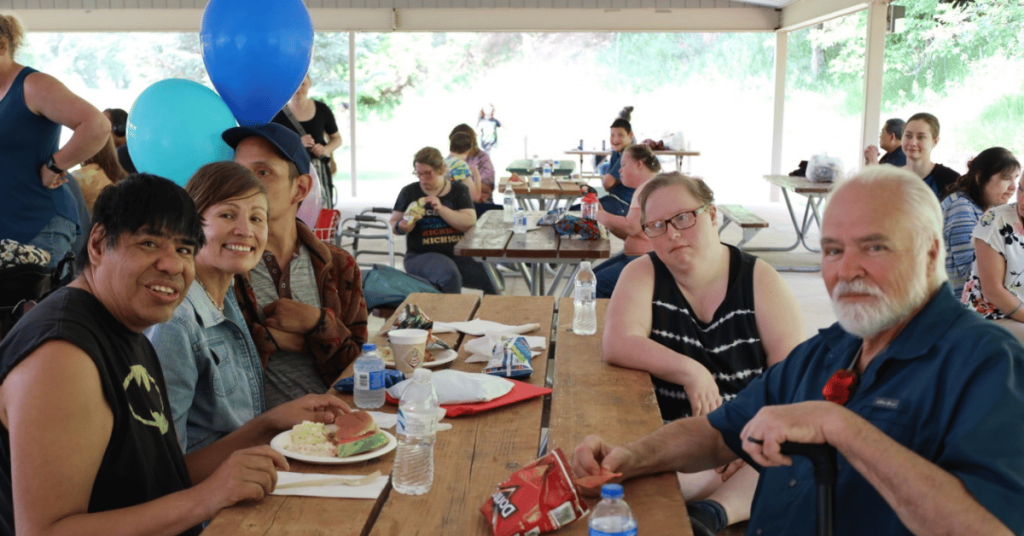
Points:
(681, 221)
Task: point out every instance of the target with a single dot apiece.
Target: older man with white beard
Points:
(923, 399)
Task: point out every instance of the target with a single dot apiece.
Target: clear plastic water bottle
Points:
(584, 313)
(519, 221)
(369, 378)
(547, 169)
(413, 472)
(535, 180)
(510, 204)
(612, 516)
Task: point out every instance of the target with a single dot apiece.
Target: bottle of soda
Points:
(584, 312)
(369, 378)
(413, 472)
(589, 206)
(612, 516)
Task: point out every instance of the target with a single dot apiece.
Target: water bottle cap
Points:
(369, 347)
(590, 198)
(584, 265)
(611, 491)
(421, 373)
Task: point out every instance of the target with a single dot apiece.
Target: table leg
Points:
(492, 274)
(813, 204)
(558, 278)
(570, 284)
(527, 276)
(796, 227)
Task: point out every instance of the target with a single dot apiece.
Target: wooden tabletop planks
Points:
(492, 238)
(618, 404)
(313, 515)
(488, 238)
(480, 451)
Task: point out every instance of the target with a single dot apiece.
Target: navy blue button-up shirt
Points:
(950, 387)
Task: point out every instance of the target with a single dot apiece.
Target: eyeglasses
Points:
(681, 221)
(423, 174)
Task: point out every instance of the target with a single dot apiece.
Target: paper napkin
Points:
(369, 491)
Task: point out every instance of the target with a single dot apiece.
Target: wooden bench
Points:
(749, 222)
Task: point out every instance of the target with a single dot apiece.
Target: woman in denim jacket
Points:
(213, 372)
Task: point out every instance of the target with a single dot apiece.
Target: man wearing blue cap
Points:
(304, 301)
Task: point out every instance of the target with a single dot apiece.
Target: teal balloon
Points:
(174, 128)
(256, 53)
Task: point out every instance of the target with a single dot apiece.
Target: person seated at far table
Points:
(86, 441)
(435, 213)
(459, 145)
(989, 182)
(920, 136)
(704, 319)
(303, 302)
(638, 166)
(478, 159)
(994, 287)
(619, 195)
(213, 371)
(928, 437)
(889, 140)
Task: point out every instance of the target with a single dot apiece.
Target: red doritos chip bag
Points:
(538, 498)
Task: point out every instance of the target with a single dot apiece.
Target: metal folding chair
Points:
(371, 225)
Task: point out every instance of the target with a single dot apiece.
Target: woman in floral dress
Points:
(996, 285)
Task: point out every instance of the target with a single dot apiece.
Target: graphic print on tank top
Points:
(729, 346)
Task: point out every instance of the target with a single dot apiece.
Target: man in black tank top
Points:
(83, 405)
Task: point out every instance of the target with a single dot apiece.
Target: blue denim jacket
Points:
(213, 373)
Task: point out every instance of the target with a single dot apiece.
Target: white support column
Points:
(874, 69)
(781, 51)
(352, 106)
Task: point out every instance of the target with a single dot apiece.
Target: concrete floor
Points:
(807, 287)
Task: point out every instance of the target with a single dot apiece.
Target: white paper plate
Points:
(443, 357)
(285, 438)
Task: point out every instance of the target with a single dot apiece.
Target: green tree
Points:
(940, 42)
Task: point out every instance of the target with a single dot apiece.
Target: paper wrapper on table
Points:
(457, 387)
(416, 210)
(510, 358)
(538, 498)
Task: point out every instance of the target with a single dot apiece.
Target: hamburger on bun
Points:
(357, 433)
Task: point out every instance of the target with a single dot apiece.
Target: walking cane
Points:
(823, 458)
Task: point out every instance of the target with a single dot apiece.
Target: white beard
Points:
(866, 320)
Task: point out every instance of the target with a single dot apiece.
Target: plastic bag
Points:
(824, 168)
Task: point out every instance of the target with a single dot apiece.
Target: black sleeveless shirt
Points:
(142, 460)
(729, 346)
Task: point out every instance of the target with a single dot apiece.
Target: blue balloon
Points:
(174, 129)
(256, 53)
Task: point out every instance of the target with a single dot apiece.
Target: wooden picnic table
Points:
(492, 241)
(482, 450)
(618, 404)
(678, 155)
(550, 193)
(277, 515)
(815, 192)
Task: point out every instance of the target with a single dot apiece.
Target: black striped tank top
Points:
(729, 346)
